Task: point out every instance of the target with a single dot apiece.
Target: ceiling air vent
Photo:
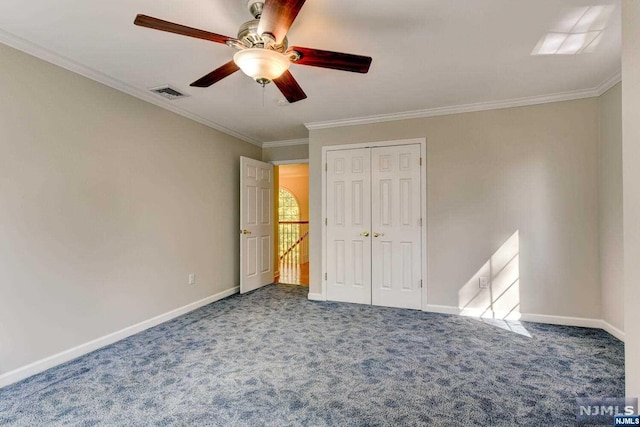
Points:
(168, 92)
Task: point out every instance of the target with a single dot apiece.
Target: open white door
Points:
(256, 226)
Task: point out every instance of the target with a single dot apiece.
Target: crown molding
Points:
(469, 108)
(609, 83)
(286, 143)
(68, 64)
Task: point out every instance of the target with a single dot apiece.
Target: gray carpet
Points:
(272, 358)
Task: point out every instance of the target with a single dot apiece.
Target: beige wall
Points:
(291, 152)
(530, 169)
(631, 189)
(610, 196)
(106, 204)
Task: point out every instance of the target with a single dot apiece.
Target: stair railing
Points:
(294, 242)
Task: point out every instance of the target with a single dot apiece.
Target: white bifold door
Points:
(373, 226)
(256, 226)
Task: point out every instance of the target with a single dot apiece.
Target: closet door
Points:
(396, 226)
(349, 225)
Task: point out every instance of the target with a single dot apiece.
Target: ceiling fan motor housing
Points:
(248, 35)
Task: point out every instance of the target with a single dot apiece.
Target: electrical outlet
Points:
(483, 282)
(192, 279)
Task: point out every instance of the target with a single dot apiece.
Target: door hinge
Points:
(420, 282)
(325, 276)
(326, 167)
(420, 161)
(326, 222)
(420, 222)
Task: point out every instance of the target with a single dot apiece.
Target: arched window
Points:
(288, 211)
(288, 206)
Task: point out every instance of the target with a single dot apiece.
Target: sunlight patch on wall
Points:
(578, 31)
(493, 292)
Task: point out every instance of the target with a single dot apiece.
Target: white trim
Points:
(443, 309)
(289, 162)
(61, 61)
(454, 109)
(468, 312)
(468, 108)
(424, 220)
(609, 83)
(64, 62)
(323, 225)
(374, 144)
(286, 143)
(315, 297)
(583, 322)
(72, 353)
(423, 206)
(608, 327)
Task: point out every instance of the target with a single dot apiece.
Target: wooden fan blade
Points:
(277, 17)
(170, 27)
(334, 60)
(216, 75)
(290, 87)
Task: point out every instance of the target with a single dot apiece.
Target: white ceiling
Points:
(427, 54)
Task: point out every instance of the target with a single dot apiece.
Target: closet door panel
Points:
(396, 229)
(349, 225)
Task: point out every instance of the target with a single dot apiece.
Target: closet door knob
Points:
(378, 234)
(365, 234)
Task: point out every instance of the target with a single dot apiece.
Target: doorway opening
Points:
(293, 224)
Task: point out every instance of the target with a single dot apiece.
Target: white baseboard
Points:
(315, 297)
(613, 330)
(444, 309)
(541, 318)
(67, 355)
(467, 312)
(583, 322)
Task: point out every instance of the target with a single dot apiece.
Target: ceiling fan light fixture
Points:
(262, 65)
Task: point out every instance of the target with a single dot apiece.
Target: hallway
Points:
(294, 274)
(293, 224)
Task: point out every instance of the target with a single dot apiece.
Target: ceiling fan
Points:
(263, 50)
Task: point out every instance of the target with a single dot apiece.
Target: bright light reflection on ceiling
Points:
(578, 31)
